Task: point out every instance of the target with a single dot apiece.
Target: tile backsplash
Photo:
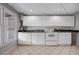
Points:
(47, 27)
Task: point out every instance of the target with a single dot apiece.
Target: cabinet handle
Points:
(51, 35)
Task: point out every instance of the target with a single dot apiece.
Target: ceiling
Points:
(46, 8)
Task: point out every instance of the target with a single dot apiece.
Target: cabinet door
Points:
(45, 21)
(68, 38)
(27, 21)
(64, 38)
(36, 21)
(24, 38)
(51, 21)
(31, 21)
(61, 38)
(38, 38)
(62, 20)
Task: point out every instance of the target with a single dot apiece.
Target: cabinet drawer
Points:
(49, 42)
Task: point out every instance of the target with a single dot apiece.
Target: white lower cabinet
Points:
(38, 38)
(64, 38)
(55, 38)
(24, 38)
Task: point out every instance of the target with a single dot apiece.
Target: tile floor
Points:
(45, 50)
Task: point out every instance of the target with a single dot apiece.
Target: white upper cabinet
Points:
(48, 20)
(31, 21)
(45, 21)
(62, 20)
(36, 21)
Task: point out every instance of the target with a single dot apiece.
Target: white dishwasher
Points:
(51, 38)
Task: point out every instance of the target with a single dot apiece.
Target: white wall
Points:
(77, 21)
(77, 28)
